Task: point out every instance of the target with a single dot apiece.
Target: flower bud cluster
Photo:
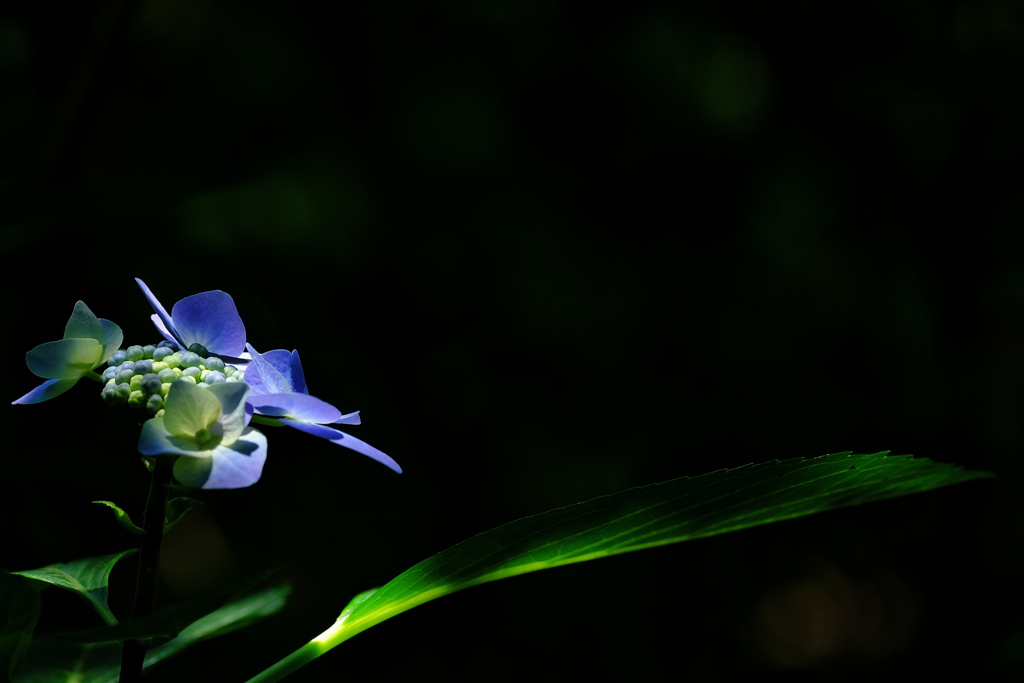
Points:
(142, 375)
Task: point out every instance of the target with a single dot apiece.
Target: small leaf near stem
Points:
(122, 518)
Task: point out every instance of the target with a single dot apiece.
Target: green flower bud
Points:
(123, 375)
(122, 392)
(147, 351)
(188, 379)
(199, 350)
(168, 375)
(159, 367)
(173, 360)
(214, 363)
(137, 399)
(231, 379)
(190, 359)
(155, 404)
(213, 377)
(164, 388)
(150, 384)
(135, 353)
(159, 413)
(135, 382)
(161, 352)
(192, 372)
(109, 394)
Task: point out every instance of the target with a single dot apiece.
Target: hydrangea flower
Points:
(279, 392)
(87, 344)
(206, 427)
(208, 319)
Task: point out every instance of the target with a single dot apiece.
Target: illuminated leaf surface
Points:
(648, 516)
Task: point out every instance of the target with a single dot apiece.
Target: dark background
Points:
(550, 251)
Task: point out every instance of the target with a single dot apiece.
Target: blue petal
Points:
(167, 327)
(230, 467)
(349, 419)
(264, 376)
(163, 329)
(297, 406)
(210, 319)
(47, 390)
(281, 360)
(343, 439)
(296, 375)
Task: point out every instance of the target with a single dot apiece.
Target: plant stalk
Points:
(133, 654)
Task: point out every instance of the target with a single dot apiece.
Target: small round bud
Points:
(231, 379)
(127, 365)
(198, 349)
(109, 373)
(137, 399)
(109, 394)
(167, 375)
(214, 377)
(118, 358)
(143, 367)
(147, 351)
(135, 353)
(202, 384)
(150, 384)
(122, 376)
(173, 360)
(190, 359)
(135, 382)
(159, 366)
(188, 379)
(161, 352)
(159, 413)
(214, 363)
(164, 388)
(165, 344)
(122, 391)
(192, 372)
(154, 404)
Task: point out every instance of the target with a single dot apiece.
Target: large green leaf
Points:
(19, 609)
(169, 620)
(52, 660)
(87, 577)
(642, 517)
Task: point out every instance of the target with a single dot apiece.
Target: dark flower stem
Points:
(133, 655)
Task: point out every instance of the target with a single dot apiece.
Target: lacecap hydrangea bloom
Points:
(87, 344)
(195, 386)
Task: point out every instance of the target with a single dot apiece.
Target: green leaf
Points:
(87, 577)
(169, 621)
(19, 610)
(235, 615)
(122, 517)
(176, 509)
(53, 660)
(643, 517)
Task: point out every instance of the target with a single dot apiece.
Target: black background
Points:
(550, 251)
